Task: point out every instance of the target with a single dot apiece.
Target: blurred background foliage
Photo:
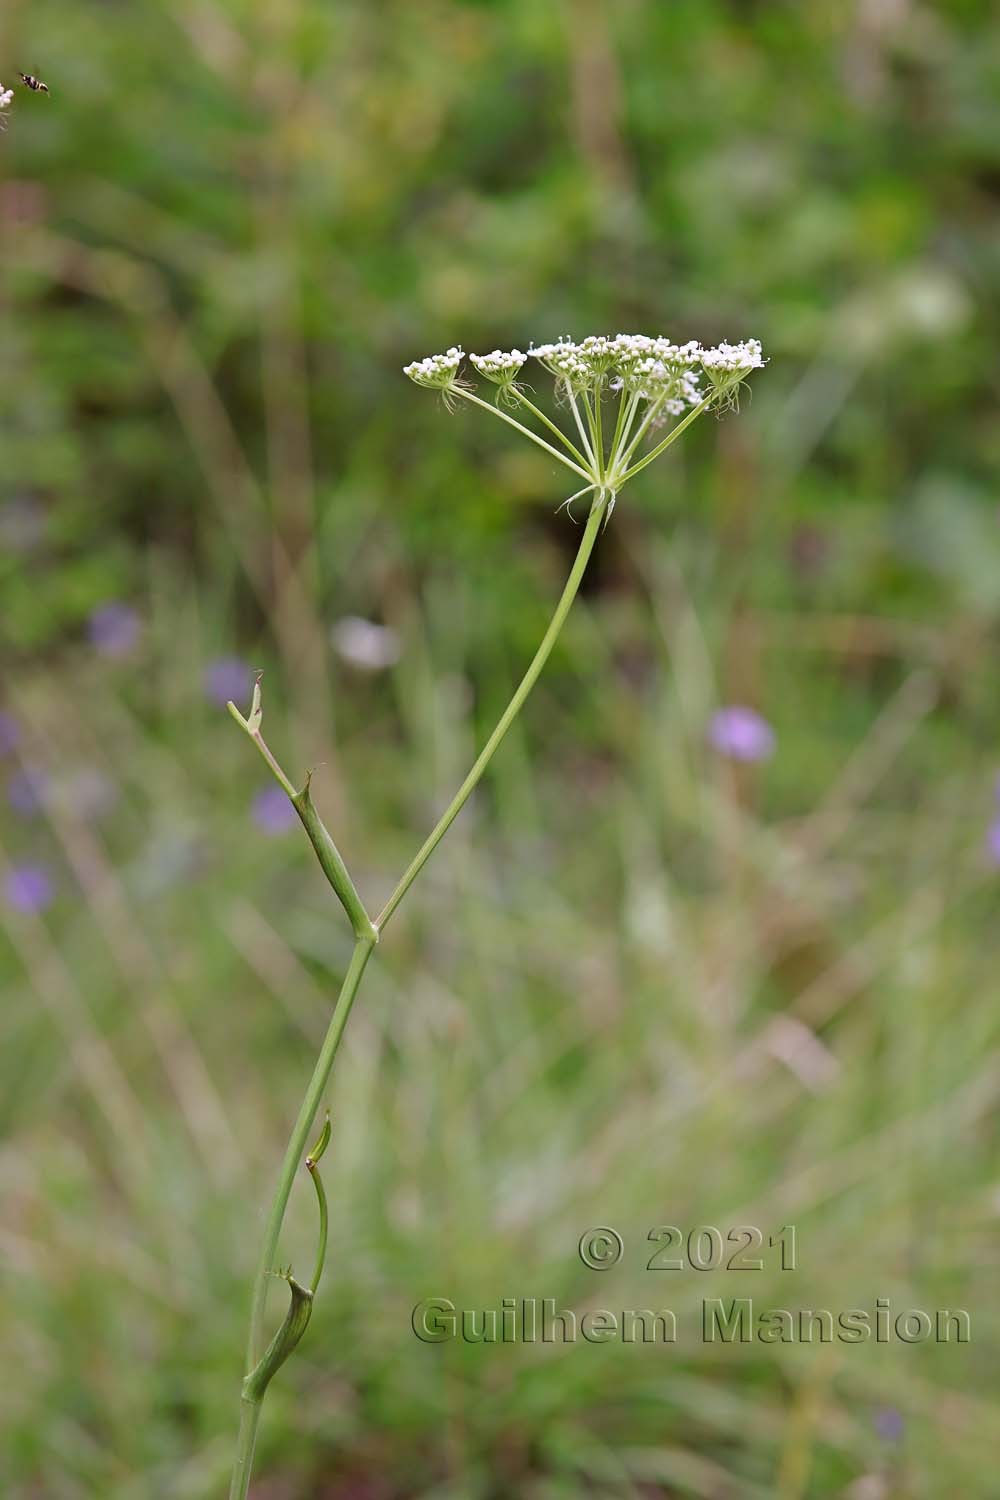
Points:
(639, 984)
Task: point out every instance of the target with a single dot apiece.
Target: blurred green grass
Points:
(636, 986)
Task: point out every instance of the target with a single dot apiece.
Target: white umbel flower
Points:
(660, 380)
(438, 372)
(502, 369)
(550, 354)
(566, 361)
(6, 99)
(649, 378)
(728, 365)
(734, 358)
(599, 354)
(499, 367)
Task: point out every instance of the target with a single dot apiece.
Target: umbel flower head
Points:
(502, 369)
(438, 372)
(649, 381)
(6, 100)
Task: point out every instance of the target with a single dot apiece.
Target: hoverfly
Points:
(35, 84)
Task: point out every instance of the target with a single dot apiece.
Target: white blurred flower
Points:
(6, 99)
(364, 644)
(90, 793)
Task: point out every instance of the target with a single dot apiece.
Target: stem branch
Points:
(570, 447)
(584, 439)
(329, 856)
(526, 431)
(671, 437)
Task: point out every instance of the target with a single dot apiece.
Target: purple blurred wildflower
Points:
(993, 843)
(29, 888)
(10, 733)
(26, 792)
(114, 629)
(741, 734)
(227, 678)
(889, 1423)
(272, 811)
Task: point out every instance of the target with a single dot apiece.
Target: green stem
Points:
(332, 863)
(297, 1143)
(631, 444)
(245, 1444)
(570, 447)
(250, 1406)
(255, 1383)
(585, 440)
(671, 437)
(312, 1162)
(526, 431)
(630, 417)
(285, 1341)
(598, 428)
(592, 429)
(625, 400)
(329, 856)
(509, 715)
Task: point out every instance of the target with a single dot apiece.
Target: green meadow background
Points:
(640, 984)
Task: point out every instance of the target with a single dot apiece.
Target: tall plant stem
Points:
(245, 1444)
(510, 713)
(367, 935)
(296, 1148)
(294, 1153)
